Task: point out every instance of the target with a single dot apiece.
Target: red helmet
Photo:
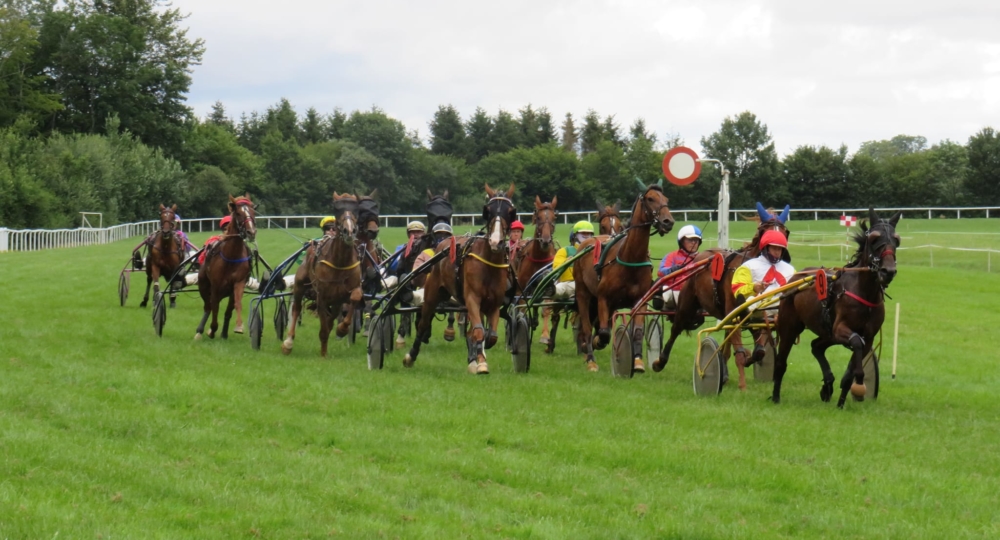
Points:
(517, 225)
(225, 221)
(773, 238)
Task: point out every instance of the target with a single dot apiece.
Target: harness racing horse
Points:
(609, 220)
(477, 278)
(851, 315)
(703, 293)
(166, 252)
(536, 253)
(332, 270)
(227, 267)
(621, 281)
(370, 251)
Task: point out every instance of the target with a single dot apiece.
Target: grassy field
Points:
(107, 431)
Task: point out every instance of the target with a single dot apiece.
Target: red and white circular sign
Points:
(681, 166)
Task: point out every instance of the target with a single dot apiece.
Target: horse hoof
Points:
(544, 340)
(400, 342)
(142, 304)
(482, 368)
(286, 347)
(473, 368)
(858, 391)
(197, 337)
(408, 361)
(449, 334)
(658, 365)
(638, 366)
(238, 329)
(826, 393)
(592, 366)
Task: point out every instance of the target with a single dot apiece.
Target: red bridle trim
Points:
(545, 260)
(862, 300)
(887, 252)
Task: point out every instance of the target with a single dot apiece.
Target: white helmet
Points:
(688, 231)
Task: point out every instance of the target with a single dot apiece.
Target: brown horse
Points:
(624, 278)
(609, 220)
(477, 278)
(701, 293)
(851, 315)
(538, 252)
(332, 271)
(166, 251)
(227, 267)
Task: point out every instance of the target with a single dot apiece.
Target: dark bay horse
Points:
(625, 277)
(851, 315)
(332, 270)
(701, 293)
(227, 267)
(478, 279)
(609, 220)
(536, 253)
(166, 251)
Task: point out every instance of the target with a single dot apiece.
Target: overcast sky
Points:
(816, 73)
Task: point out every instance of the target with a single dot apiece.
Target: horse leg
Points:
(676, 327)
(216, 300)
(201, 325)
(298, 291)
(326, 320)
(638, 332)
(422, 332)
(551, 347)
(583, 335)
(238, 296)
(449, 331)
(477, 336)
(356, 303)
(603, 336)
(228, 315)
(203, 290)
(545, 338)
(853, 379)
(149, 283)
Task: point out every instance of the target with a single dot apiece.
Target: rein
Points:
(331, 265)
(487, 263)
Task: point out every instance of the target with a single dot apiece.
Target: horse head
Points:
(368, 213)
(498, 214)
(243, 212)
(168, 219)
(651, 209)
(346, 208)
(609, 220)
(879, 244)
(544, 220)
(438, 209)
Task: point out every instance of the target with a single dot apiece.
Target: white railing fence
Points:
(37, 239)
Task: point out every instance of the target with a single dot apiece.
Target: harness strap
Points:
(234, 261)
(862, 300)
(488, 263)
(331, 265)
(632, 265)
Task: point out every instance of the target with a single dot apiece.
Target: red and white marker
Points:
(681, 166)
(848, 221)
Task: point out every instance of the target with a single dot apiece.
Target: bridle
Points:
(499, 208)
(546, 225)
(653, 215)
(167, 224)
(243, 216)
(615, 224)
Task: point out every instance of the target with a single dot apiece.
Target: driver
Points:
(688, 242)
(757, 276)
(565, 285)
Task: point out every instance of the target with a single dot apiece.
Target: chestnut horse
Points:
(477, 279)
(609, 220)
(227, 267)
(333, 271)
(851, 315)
(701, 293)
(538, 252)
(625, 277)
(166, 252)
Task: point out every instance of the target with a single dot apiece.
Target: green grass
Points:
(107, 431)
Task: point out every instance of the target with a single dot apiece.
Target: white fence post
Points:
(3, 239)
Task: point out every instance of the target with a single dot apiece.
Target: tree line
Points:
(93, 118)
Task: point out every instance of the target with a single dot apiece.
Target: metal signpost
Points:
(681, 166)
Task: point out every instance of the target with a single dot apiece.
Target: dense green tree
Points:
(546, 130)
(817, 177)
(478, 130)
(606, 173)
(128, 58)
(983, 179)
(283, 118)
(506, 134)
(570, 140)
(447, 132)
(897, 146)
(868, 184)
(544, 170)
(311, 129)
(744, 146)
(209, 144)
(591, 133)
(334, 125)
(643, 160)
(22, 84)
(529, 128)
(219, 117)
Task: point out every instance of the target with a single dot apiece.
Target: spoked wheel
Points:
(708, 369)
(256, 326)
(281, 318)
(388, 332)
(377, 333)
(123, 283)
(521, 345)
(654, 341)
(508, 334)
(621, 353)
(159, 313)
(763, 371)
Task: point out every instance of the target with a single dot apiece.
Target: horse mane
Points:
(861, 239)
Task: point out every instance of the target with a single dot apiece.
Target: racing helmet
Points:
(225, 221)
(442, 227)
(774, 238)
(517, 225)
(688, 231)
(327, 221)
(415, 226)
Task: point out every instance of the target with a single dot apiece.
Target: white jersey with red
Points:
(760, 270)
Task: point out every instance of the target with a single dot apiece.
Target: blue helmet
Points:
(688, 231)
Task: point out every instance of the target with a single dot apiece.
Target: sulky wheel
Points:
(654, 341)
(709, 370)
(256, 326)
(159, 313)
(763, 371)
(388, 332)
(352, 336)
(521, 344)
(281, 318)
(872, 377)
(377, 333)
(621, 353)
(123, 283)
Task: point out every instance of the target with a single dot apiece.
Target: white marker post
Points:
(895, 342)
(681, 166)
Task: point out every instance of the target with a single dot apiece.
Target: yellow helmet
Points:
(327, 220)
(415, 226)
